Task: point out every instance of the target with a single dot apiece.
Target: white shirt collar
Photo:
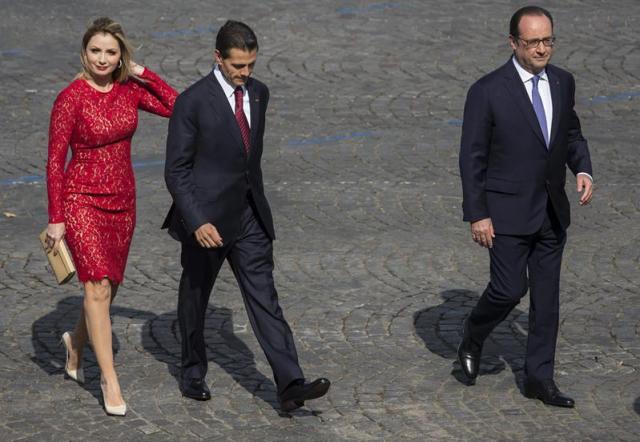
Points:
(526, 75)
(227, 87)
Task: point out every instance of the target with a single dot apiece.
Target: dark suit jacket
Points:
(206, 170)
(507, 172)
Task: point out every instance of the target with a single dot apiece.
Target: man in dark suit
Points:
(220, 212)
(520, 132)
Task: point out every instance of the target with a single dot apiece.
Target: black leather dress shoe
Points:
(469, 360)
(547, 392)
(295, 394)
(195, 389)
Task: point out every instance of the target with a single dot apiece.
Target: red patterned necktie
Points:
(241, 118)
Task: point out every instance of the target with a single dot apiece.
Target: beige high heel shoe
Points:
(112, 410)
(77, 374)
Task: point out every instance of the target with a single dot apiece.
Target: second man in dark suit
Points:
(220, 212)
(519, 134)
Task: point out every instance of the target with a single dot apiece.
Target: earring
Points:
(120, 64)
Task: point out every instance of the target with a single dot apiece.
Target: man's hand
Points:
(585, 186)
(482, 232)
(55, 232)
(208, 236)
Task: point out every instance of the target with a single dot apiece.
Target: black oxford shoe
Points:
(548, 393)
(295, 395)
(195, 389)
(469, 360)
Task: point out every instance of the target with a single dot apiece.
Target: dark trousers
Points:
(513, 258)
(251, 259)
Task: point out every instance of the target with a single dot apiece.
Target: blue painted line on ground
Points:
(175, 33)
(142, 164)
(32, 179)
(26, 179)
(623, 96)
(368, 8)
(148, 163)
(328, 139)
(13, 52)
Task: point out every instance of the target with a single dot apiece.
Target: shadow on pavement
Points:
(50, 355)
(160, 337)
(440, 328)
(636, 405)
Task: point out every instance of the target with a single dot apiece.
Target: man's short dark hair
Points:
(235, 35)
(514, 24)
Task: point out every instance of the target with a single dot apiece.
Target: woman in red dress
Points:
(92, 201)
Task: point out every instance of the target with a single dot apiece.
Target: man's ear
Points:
(513, 42)
(217, 56)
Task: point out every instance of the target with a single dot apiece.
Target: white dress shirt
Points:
(545, 95)
(229, 90)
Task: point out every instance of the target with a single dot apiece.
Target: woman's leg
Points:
(78, 341)
(98, 297)
(80, 335)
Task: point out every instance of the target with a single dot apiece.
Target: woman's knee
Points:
(98, 291)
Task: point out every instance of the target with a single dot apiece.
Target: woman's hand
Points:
(55, 232)
(136, 69)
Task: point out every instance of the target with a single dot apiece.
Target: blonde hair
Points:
(104, 25)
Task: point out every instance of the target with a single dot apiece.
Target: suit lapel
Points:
(519, 93)
(554, 84)
(221, 105)
(254, 104)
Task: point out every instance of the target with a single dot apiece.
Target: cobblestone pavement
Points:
(374, 266)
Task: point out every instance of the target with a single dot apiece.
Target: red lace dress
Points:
(95, 196)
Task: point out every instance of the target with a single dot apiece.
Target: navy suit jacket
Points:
(507, 172)
(206, 170)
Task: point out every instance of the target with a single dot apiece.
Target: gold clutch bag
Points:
(62, 264)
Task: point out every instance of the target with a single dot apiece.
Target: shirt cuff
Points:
(585, 173)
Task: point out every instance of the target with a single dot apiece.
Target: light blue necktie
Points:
(539, 108)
